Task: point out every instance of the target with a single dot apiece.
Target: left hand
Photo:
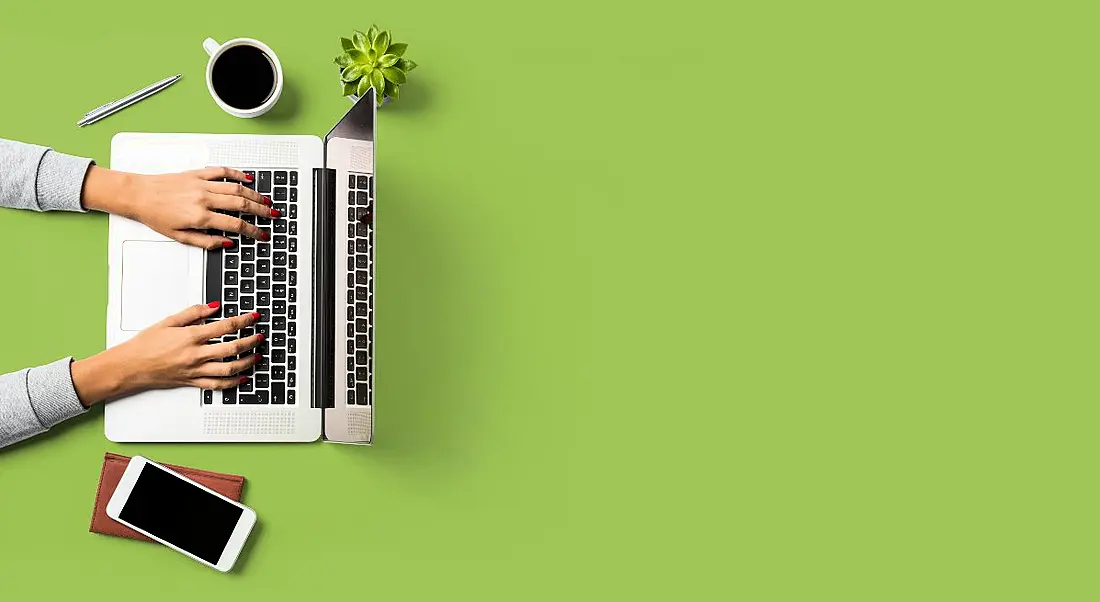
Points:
(181, 206)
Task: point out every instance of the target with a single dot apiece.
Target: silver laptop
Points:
(313, 282)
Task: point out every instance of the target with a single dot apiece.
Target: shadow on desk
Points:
(422, 335)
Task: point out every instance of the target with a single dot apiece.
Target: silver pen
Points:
(113, 107)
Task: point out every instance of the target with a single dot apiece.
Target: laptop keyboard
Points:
(260, 276)
(360, 290)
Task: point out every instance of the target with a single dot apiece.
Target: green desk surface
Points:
(698, 301)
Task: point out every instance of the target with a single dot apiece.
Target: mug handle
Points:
(210, 46)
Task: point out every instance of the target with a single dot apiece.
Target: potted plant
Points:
(373, 60)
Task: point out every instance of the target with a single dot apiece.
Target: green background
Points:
(753, 301)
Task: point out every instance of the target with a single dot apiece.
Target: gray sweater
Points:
(37, 178)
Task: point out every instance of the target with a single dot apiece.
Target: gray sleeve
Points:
(40, 179)
(34, 399)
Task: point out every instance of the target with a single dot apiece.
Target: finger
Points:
(217, 384)
(228, 223)
(236, 203)
(234, 189)
(218, 173)
(192, 314)
(220, 350)
(226, 326)
(226, 369)
(202, 241)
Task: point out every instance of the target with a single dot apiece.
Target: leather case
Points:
(114, 466)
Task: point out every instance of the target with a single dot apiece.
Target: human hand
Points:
(181, 206)
(170, 353)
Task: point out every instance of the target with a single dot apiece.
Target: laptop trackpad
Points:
(154, 282)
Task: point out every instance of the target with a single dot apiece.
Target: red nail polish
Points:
(260, 337)
(275, 213)
(255, 315)
(248, 178)
(267, 201)
(266, 236)
(244, 379)
(227, 243)
(214, 304)
(257, 357)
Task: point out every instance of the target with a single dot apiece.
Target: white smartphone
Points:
(181, 514)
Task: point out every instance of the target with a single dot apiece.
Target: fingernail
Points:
(265, 235)
(260, 337)
(248, 178)
(214, 304)
(244, 379)
(227, 243)
(267, 201)
(275, 213)
(257, 357)
(255, 315)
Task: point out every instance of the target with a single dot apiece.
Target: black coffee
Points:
(243, 77)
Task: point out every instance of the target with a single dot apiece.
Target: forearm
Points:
(103, 377)
(40, 179)
(35, 399)
(107, 191)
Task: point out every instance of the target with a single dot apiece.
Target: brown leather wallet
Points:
(114, 466)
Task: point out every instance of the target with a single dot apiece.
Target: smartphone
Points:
(181, 514)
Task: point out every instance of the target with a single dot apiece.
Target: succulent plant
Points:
(373, 60)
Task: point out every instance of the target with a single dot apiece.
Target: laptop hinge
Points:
(324, 288)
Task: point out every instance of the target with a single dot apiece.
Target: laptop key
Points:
(278, 323)
(278, 394)
(293, 278)
(293, 262)
(263, 266)
(361, 325)
(290, 380)
(361, 246)
(291, 345)
(362, 198)
(280, 194)
(290, 397)
(230, 294)
(361, 309)
(279, 241)
(247, 303)
(279, 307)
(293, 313)
(248, 399)
(229, 310)
(263, 182)
(278, 374)
(248, 255)
(293, 178)
(263, 299)
(292, 363)
(263, 283)
(361, 341)
(229, 396)
(351, 397)
(231, 277)
(362, 373)
(280, 226)
(231, 262)
(292, 227)
(362, 358)
(351, 181)
(208, 397)
(280, 178)
(246, 386)
(361, 392)
(279, 258)
(361, 182)
(263, 381)
(262, 397)
(362, 261)
(279, 275)
(293, 195)
(263, 250)
(361, 277)
(248, 286)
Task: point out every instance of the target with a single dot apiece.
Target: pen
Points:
(113, 107)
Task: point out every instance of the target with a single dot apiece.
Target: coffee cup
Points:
(243, 76)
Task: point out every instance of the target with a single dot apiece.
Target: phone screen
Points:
(180, 513)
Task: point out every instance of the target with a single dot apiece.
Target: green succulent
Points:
(373, 60)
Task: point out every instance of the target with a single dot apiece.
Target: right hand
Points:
(171, 353)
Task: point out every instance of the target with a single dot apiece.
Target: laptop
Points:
(313, 283)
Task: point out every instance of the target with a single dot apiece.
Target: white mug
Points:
(215, 51)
